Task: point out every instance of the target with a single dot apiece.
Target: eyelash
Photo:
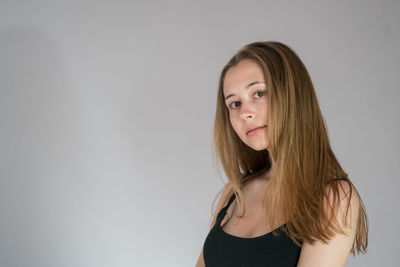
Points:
(261, 91)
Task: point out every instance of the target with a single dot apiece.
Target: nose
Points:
(247, 112)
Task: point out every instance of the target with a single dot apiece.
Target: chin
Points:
(259, 147)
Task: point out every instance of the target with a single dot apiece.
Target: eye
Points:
(260, 93)
(233, 104)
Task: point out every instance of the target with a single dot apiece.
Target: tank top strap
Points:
(222, 212)
(230, 201)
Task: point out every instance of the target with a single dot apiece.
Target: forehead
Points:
(245, 72)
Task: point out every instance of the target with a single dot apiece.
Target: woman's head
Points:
(287, 107)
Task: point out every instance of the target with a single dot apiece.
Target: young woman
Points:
(288, 201)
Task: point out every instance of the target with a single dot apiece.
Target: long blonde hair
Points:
(299, 144)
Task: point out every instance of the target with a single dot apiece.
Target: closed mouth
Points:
(256, 129)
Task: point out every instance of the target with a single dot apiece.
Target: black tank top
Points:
(222, 249)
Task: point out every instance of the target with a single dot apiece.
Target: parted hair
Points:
(299, 145)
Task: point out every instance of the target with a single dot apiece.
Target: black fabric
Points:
(222, 249)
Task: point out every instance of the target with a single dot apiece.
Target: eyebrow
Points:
(247, 87)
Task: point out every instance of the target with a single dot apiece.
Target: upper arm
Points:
(226, 192)
(335, 252)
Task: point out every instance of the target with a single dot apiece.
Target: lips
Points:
(254, 128)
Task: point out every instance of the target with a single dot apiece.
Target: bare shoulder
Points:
(224, 193)
(347, 200)
(343, 197)
(227, 191)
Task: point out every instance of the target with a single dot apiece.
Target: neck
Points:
(270, 172)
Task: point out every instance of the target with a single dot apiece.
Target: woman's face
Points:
(246, 97)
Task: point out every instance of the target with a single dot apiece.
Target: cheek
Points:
(265, 111)
(234, 124)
